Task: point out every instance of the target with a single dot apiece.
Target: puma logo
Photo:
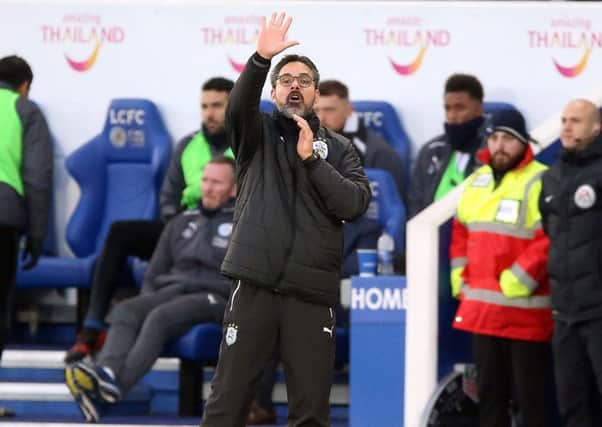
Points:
(325, 329)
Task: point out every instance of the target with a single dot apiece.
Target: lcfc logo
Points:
(408, 37)
(82, 37)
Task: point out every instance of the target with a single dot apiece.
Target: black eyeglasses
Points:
(304, 80)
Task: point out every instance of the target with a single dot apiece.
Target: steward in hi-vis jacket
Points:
(498, 256)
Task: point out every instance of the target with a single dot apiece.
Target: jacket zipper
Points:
(234, 295)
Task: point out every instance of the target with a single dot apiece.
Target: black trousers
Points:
(265, 386)
(255, 321)
(578, 370)
(512, 370)
(9, 250)
(125, 238)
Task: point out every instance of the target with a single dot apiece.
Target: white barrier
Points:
(422, 284)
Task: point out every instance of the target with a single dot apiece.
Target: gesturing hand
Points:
(272, 38)
(305, 144)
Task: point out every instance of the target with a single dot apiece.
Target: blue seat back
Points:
(384, 119)
(493, 106)
(386, 206)
(266, 106)
(119, 172)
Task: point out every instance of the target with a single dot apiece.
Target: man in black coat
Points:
(297, 182)
(571, 208)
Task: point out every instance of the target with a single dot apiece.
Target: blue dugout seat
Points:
(266, 106)
(382, 117)
(119, 173)
(386, 206)
(490, 107)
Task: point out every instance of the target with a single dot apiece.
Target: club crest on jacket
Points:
(321, 148)
(231, 333)
(585, 196)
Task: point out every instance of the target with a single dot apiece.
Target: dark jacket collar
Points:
(592, 151)
(288, 127)
(4, 85)
(226, 207)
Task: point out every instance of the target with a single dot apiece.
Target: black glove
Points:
(33, 249)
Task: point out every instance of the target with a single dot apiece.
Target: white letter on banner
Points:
(371, 302)
(392, 299)
(140, 117)
(357, 298)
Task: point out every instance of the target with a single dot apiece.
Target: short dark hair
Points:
(465, 83)
(295, 58)
(219, 84)
(15, 71)
(334, 88)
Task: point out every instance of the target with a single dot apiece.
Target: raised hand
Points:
(272, 38)
(305, 144)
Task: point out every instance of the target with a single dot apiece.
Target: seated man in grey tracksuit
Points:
(183, 286)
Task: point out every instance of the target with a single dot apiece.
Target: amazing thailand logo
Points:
(406, 40)
(570, 42)
(234, 33)
(82, 38)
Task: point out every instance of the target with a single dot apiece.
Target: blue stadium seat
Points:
(493, 106)
(386, 206)
(384, 119)
(119, 173)
(266, 106)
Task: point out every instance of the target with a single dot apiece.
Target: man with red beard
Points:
(498, 257)
(298, 182)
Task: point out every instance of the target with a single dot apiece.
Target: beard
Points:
(213, 127)
(290, 106)
(288, 110)
(502, 162)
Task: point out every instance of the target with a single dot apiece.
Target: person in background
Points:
(336, 113)
(571, 210)
(498, 255)
(182, 287)
(444, 162)
(139, 238)
(26, 166)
